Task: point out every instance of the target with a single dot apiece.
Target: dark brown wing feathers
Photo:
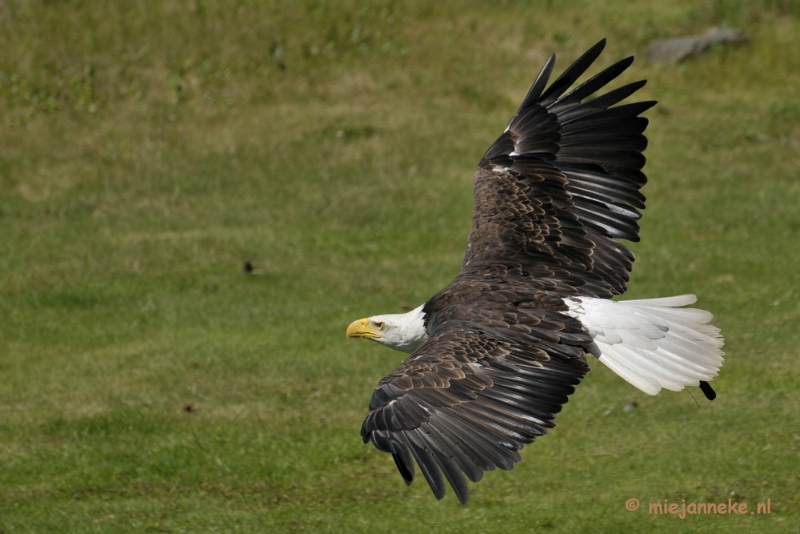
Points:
(551, 194)
(584, 151)
(490, 379)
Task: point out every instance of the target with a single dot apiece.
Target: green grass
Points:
(147, 384)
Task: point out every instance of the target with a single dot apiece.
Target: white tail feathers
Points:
(652, 343)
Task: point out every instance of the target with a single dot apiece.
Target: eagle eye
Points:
(381, 325)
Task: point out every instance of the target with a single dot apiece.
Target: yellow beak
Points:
(362, 328)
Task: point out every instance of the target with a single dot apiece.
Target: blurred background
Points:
(197, 197)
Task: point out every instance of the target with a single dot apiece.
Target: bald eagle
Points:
(496, 354)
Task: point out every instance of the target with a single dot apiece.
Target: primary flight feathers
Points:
(498, 351)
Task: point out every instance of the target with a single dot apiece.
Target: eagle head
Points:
(400, 331)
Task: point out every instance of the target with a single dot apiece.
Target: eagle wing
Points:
(501, 357)
(560, 183)
(487, 381)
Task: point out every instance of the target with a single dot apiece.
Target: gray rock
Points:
(671, 51)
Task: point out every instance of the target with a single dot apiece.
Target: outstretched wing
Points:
(501, 359)
(484, 384)
(560, 183)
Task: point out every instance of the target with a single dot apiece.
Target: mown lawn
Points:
(148, 150)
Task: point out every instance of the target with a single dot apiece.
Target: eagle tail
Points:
(653, 343)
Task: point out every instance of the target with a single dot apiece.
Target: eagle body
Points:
(495, 355)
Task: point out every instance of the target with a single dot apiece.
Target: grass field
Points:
(148, 150)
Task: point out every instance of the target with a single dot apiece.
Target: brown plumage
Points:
(501, 352)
